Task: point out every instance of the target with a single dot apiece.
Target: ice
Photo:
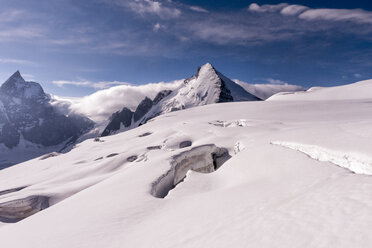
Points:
(265, 195)
(357, 163)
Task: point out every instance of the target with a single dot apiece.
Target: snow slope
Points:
(274, 191)
(359, 90)
(264, 91)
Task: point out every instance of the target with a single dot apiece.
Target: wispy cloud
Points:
(198, 9)
(276, 81)
(353, 15)
(10, 15)
(306, 13)
(254, 7)
(144, 7)
(21, 32)
(16, 61)
(158, 26)
(95, 85)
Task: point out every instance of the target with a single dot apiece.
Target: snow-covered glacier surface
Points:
(296, 193)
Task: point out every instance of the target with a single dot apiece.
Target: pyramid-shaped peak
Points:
(16, 86)
(16, 77)
(15, 81)
(206, 69)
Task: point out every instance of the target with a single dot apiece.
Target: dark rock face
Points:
(9, 135)
(161, 95)
(142, 109)
(124, 117)
(25, 110)
(225, 94)
(127, 117)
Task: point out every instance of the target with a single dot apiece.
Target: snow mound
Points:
(359, 90)
(357, 163)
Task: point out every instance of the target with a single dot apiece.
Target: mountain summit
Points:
(26, 115)
(208, 86)
(16, 86)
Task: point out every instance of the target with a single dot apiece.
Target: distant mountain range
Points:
(31, 124)
(208, 86)
(26, 116)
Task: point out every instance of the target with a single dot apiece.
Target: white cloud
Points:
(293, 9)
(143, 7)
(254, 7)
(95, 85)
(100, 105)
(275, 81)
(354, 15)
(11, 15)
(157, 27)
(264, 91)
(16, 61)
(22, 32)
(198, 9)
(306, 13)
(28, 77)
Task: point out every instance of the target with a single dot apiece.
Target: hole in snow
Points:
(185, 143)
(16, 210)
(145, 134)
(153, 147)
(204, 159)
(132, 158)
(112, 155)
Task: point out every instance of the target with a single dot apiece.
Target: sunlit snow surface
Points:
(272, 192)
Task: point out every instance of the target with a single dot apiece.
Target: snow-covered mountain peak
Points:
(17, 87)
(205, 70)
(208, 86)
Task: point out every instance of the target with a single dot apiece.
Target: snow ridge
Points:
(357, 163)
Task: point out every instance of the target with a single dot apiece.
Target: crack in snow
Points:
(357, 163)
(203, 159)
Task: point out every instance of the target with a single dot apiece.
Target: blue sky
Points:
(74, 48)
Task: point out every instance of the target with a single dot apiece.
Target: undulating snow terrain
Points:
(292, 171)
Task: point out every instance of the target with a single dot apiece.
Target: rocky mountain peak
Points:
(17, 87)
(15, 80)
